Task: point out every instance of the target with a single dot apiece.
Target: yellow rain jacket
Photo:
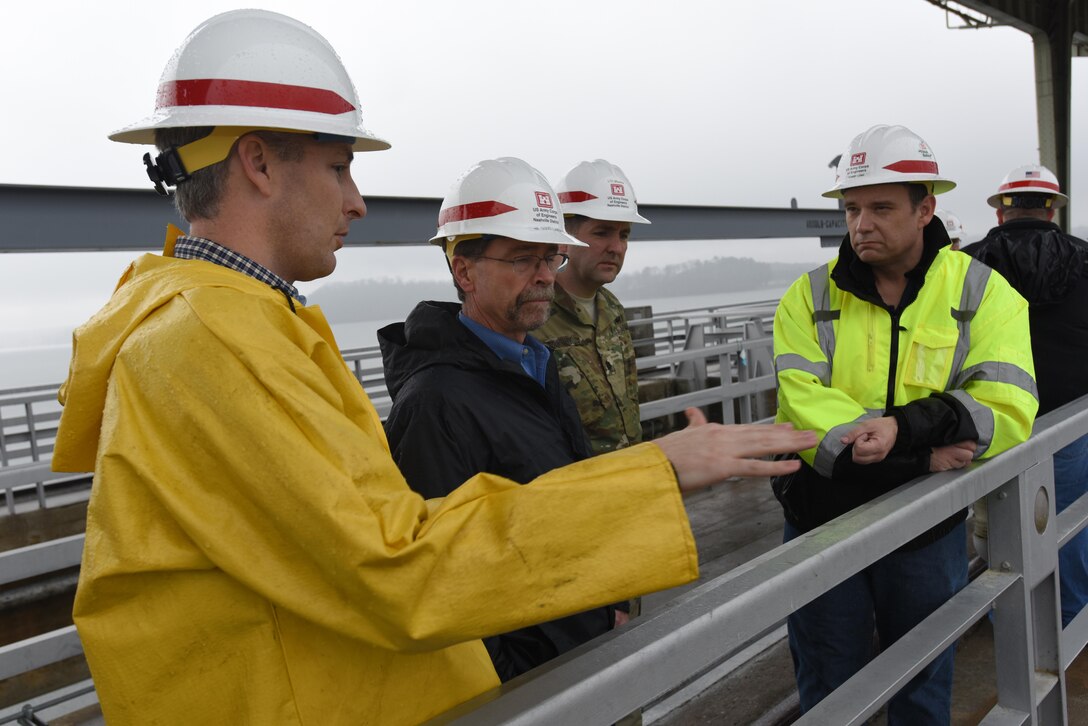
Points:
(952, 362)
(253, 555)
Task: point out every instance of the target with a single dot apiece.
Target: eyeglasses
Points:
(531, 263)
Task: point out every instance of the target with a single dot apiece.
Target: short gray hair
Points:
(470, 248)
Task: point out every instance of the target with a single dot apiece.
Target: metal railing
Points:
(606, 679)
(16, 565)
(628, 668)
(28, 423)
(29, 416)
(678, 343)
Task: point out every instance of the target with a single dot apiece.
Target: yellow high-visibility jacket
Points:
(954, 362)
(253, 555)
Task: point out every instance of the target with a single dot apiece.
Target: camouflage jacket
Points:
(597, 365)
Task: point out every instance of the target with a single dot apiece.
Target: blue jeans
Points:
(1070, 482)
(831, 638)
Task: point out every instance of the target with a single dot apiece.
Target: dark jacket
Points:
(1050, 269)
(809, 499)
(459, 410)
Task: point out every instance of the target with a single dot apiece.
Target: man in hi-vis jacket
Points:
(905, 358)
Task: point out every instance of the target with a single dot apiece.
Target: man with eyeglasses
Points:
(472, 390)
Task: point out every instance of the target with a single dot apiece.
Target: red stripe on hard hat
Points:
(913, 167)
(1030, 183)
(476, 210)
(225, 92)
(571, 197)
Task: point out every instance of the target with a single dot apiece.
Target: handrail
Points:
(41, 558)
(608, 678)
(602, 681)
(26, 655)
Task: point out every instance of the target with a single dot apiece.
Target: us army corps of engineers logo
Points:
(545, 211)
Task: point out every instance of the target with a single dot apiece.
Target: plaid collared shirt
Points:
(198, 248)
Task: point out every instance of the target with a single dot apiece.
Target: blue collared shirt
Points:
(198, 248)
(532, 355)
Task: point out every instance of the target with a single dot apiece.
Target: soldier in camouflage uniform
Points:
(587, 330)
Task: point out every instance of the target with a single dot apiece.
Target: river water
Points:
(43, 357)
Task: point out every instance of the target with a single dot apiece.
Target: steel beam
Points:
(84, 219)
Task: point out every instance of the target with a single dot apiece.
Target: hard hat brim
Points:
(143, 131)
(940, 186)
(632, 217)
(1060, 200)
(544, 237)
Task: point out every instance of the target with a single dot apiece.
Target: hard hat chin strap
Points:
(178, 163)
(166, 170)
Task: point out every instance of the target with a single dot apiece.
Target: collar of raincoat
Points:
(146, 285)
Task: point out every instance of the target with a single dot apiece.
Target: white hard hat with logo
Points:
(888, 155)
(505, 198)
(599, 190)
(1028, 179)
(248, 70)
(952, 224)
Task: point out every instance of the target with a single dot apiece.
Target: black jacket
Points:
(1050, 269)
(809, 499)
(459, 410)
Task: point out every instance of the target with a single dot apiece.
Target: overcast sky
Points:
(716, 102)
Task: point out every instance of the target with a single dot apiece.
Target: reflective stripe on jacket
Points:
(840, 359)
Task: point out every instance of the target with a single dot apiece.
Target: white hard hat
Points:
(952, 224)
(599, 190)
(255, 69)
(1028, 179)
(887, 155)
(503, 197)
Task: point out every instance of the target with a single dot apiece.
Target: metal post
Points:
(695, 369)
(31, 431)
(1014, 644)
(1027, 623)
(3, 443)
(1046, 594)
(724, 373)
(1053, 88)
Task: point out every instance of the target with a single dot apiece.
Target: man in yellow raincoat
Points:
(253, 555)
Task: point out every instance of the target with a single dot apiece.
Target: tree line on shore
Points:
(389, 298)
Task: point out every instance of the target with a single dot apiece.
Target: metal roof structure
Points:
(1059, 31)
